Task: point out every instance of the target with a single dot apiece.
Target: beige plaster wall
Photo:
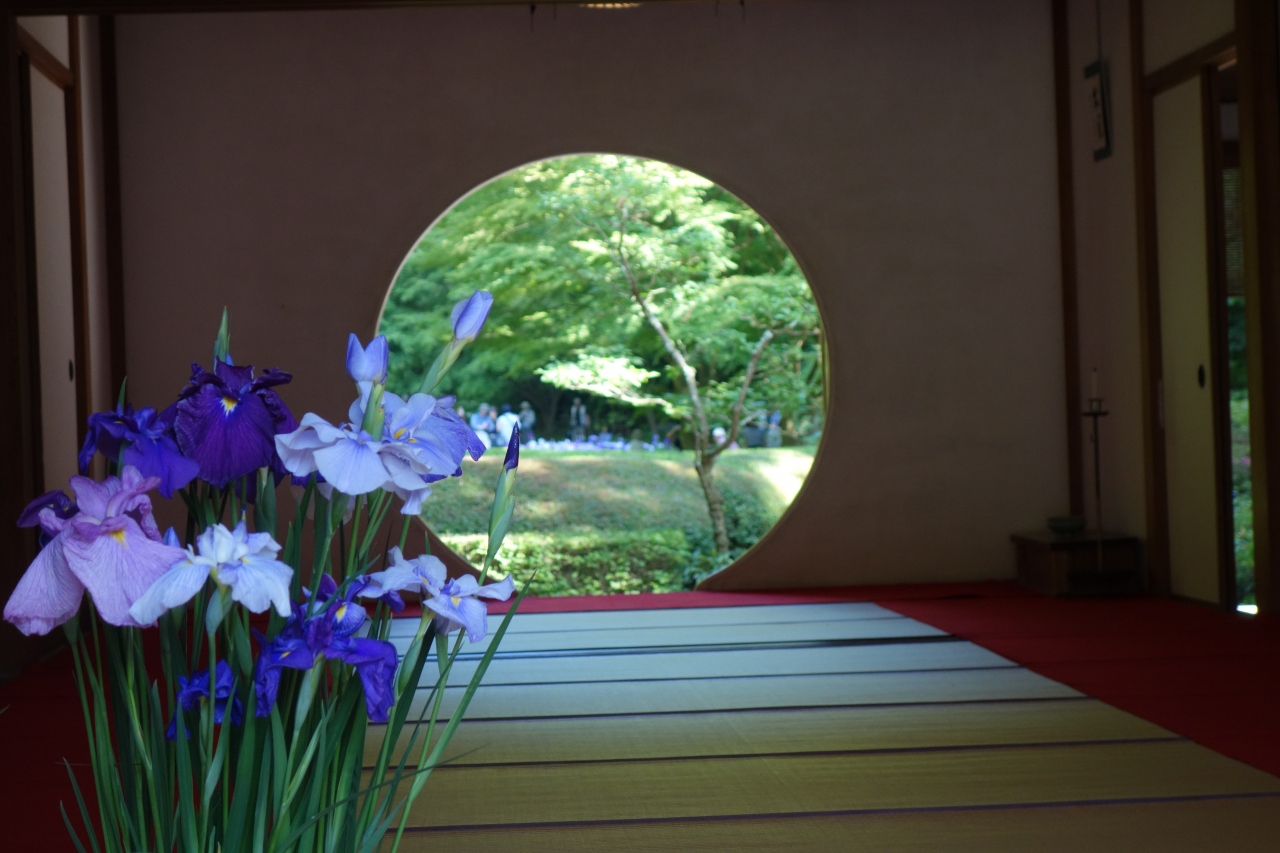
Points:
(1107, 266)
(282, 164)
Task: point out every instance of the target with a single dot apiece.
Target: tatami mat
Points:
(709, 787)
(613, 620)
(791, 730)
(667, 637)
(820, 727)
(765, 691)
(1197, 826)
(721, 663)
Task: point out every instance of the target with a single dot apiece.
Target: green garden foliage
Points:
(590, 562)
(716, 274)
(1242, 496)
(618, 522)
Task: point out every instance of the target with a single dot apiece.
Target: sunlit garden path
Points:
(599, 522)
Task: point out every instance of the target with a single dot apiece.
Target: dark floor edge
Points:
(817, 753)
(993, 807)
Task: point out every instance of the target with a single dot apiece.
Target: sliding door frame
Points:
(36, 57)
(1259, 81)
(1202, 64)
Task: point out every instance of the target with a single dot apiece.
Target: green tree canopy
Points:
(545, 240)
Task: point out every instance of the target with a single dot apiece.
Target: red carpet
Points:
(1208, 675)
(1211, 676)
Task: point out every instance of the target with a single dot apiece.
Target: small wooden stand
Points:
(1070, 566)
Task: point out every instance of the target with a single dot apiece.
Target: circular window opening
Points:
(658, 346)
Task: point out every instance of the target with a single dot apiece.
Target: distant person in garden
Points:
(527, 420)
(482, 424)
(579, 420)
(773, 435)
(720, 435)
(507, 421)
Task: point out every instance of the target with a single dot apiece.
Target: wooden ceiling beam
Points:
(123, 7)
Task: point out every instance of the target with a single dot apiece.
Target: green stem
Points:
(404, 535)
(355, 537)
(421, 778)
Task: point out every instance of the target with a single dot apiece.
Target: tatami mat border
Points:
(471, 721)
(985, 807)
(814, 753)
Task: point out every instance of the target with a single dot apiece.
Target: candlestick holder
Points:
(1094, 412)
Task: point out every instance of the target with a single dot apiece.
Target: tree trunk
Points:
(705, 466)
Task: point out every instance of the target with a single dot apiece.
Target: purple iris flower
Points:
(423, 574)
(305, 639)
(143, 440)
(110, 547)
(423, 441)
(368, 587)
(469, 315)
(56, 502)
(512, 459)
(457, 606)
(193, 691)
(227, 421)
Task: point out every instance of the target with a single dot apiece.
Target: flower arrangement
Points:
(227, 694)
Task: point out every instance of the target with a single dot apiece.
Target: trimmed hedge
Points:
(587, 563)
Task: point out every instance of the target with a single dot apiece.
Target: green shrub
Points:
(587, 562)
(746, 519)
(1243, 517)
(618, 522)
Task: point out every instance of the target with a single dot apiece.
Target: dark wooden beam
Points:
(1219, 358)
(79, 249)
(1157, 505)
(1259, 70)
(1067, 256)
(21, 467)
(1186, 67)
(110, 7)
(44, 61)
(113, 234)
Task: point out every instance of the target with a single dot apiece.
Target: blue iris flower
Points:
(192, 691)
(468, 316)
(309, 637)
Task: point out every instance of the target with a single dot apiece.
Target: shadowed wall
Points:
(283, 164)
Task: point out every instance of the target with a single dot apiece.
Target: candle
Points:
(1094, 385)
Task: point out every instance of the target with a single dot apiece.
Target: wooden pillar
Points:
(1067, 251)
(20, 461)
(1256, 29)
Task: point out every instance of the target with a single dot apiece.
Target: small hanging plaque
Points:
(1098, 91)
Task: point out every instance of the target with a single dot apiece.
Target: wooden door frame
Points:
(1145, 87)
(38, 58)
(1219, 359)
(22, 465)
(1259, 82)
